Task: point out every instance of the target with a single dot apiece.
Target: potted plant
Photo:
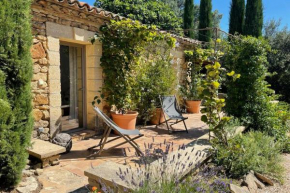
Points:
(189, 90)
(190, 93)
(154, 76)
(120, 111)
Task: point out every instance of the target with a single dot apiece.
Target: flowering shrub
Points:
(207, 180)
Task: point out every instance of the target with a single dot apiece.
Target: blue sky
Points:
(273, 9)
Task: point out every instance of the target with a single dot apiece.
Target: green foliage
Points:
(213, 105)
(16, 64)
(153, 76)
(279, 59)
(253, 151)
(237, 16)
(152, 12)
(249, 97)
(176, 5)
(124, 52)
(195, 59)
(188, 18)
(281, 122)
(254, 18)
(205, 20)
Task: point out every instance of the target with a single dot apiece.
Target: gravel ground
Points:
(281, 188)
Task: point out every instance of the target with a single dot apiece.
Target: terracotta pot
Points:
(193, 106)
(156, 116)
(125, 121)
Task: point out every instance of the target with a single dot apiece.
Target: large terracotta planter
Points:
(156, 116)
(193, 106)
(125, 121)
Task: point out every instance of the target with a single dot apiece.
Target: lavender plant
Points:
(161, 164)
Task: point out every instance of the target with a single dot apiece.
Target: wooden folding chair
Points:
(122, 133)
(171, 111)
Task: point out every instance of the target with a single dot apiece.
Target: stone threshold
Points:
(81, 134)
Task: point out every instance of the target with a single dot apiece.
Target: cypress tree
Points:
(188, 18)
(16, 65)
(254, 18)
(205, 20)
(237, 16)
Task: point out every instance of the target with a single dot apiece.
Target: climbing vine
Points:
(124, 42)
(195, 59)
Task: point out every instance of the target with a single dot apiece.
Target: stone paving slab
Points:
(43, 149)
(106, 174)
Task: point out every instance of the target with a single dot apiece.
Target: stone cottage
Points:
(66, 70)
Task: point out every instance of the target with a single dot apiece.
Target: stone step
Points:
(45, 151)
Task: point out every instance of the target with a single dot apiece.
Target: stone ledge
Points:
(105, 175)
(43, 149)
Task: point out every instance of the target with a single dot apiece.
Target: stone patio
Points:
(68, 176)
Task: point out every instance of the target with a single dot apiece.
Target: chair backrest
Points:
(169, 106)
(113, 125)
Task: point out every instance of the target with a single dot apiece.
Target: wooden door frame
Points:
(64, 43)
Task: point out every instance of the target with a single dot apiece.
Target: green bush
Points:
(281, 127)
(249, 96)
(153, 76)
(152, 12)
(279, 58)
(253, 151)
(16, 64)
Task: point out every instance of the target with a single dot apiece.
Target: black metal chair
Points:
(171, 111)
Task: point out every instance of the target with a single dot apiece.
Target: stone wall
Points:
(40, 90)
(45, 54)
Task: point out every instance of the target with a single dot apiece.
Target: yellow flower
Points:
(226, 118)
(208, 66)
(238, 76)
(216, 65)
(218, 41)
(231, 73)
(215, 84)
(212, 73)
